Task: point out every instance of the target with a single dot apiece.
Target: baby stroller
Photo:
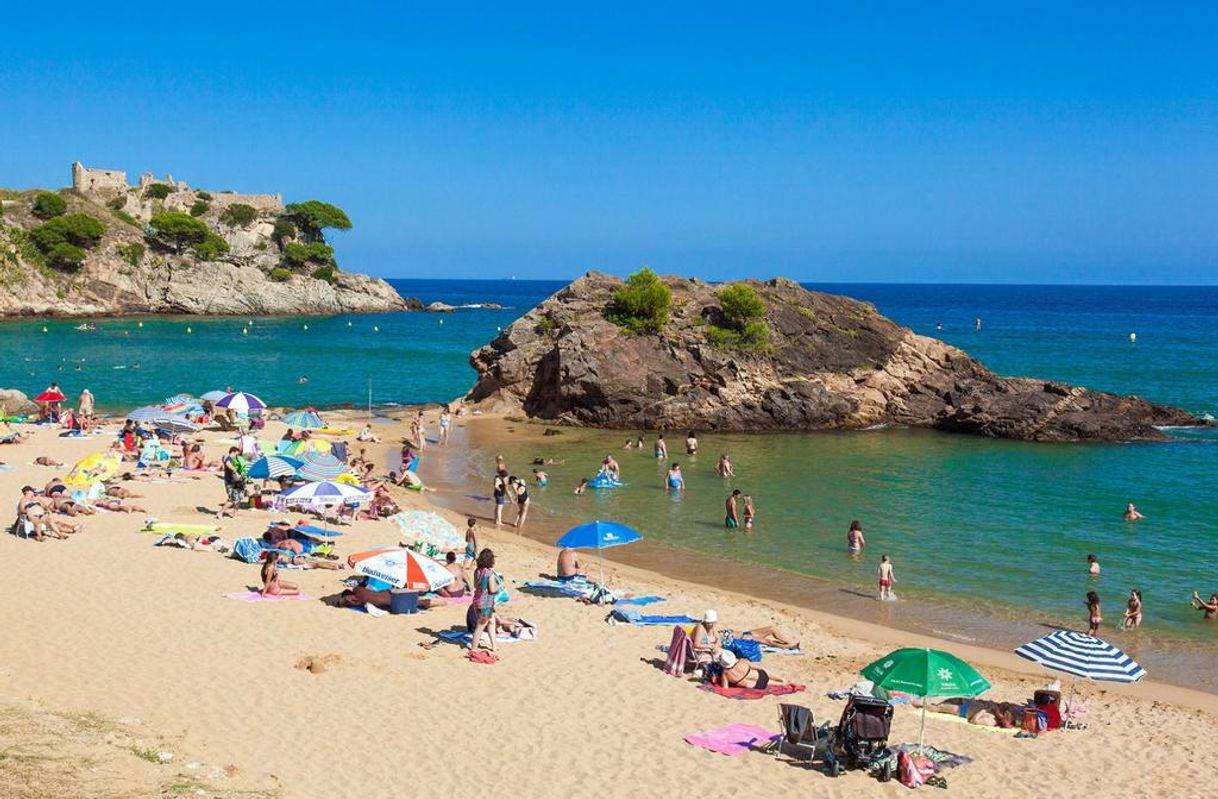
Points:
(861, 737)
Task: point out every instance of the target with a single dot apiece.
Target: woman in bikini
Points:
(1133, 611)
(271, 584)
(739, 673)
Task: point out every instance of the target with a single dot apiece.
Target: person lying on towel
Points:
(740, 673)
(984, 712)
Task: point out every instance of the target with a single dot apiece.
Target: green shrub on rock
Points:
(48, 205)
(66, 256)
(158, 191)
(298, 254)
(199, 208)
(238, 215)
(79, 230)
(279, 274)
(641, 305)
(132, 253)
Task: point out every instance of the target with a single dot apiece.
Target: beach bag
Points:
(502, 596)
(525, 632)
(743, 647)
(914, 769)
(247, 549)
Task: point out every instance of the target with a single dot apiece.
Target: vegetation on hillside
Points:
(314, 216)
(48, 205)
(641, 304)
(64, 239)
(743, 316)
(238, 215)
(178, 230)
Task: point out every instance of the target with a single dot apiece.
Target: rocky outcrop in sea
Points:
(831, 363)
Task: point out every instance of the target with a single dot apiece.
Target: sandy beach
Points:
(125, 671)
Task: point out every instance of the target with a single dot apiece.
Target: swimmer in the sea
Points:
(724, 468)
(854, 537)
(675, 481)
(541, 477)
(582, 487)
(1132, 514)
(1093, 565)
(661, 450)
(1210, 608)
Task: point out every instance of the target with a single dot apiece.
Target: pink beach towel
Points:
(254, 596)
(752, 693)
(733, 740)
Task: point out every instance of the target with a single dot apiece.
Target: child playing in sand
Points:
(1094, 617)
(887, 578)
(271, 584)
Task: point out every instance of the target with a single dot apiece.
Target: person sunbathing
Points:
(118, 492)
(982, 712)
(705, 640)
(272, 585)
(43, 460)
(770, 636)
(62, 503)
(569, 566)
(738, 672)
(31, 509)
(117, 506)
(460, 585)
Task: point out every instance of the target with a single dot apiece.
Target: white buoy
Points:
(1133, 338)
(348, 324)
(441, 321)
(44, 328)
(306, 327)
(376, 329)
(141, 324)
(245, 331)
(188, 330)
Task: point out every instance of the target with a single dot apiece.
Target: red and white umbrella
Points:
(401, 568)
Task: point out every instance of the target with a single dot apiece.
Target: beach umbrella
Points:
(50, 395)
(430, 528)
(241, 402)
(925, 673)
(301, 446)
(599, 535)
(305, 419)
(401, 568)
(320, 466)
(214, 396)
(274, 466)
(182, 404)
(1082, 655)
(173, 424)
(322, 494)
(147, 413)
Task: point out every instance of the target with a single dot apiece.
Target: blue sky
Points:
(891, 142)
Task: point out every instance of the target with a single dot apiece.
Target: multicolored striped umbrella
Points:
(306, 419)
(241, 402)
(401, 568)
(430, 528)
(320, 466)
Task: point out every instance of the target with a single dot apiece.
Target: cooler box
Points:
(403, 601)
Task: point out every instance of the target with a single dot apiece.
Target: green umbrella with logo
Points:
(925, 673)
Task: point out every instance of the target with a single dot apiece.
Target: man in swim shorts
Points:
(732, 520)
(887, 578)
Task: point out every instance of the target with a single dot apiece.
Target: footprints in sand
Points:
(316, 664)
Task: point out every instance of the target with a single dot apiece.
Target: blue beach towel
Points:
(639, 600)
(634, 617)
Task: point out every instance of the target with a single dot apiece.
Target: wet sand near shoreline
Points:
(298, 699)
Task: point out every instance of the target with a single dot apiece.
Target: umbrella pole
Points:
(922, 731)
(600, 558)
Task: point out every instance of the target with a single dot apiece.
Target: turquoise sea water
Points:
(1000, 525)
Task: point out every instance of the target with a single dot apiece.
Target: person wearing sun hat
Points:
(705, 639)
(739, 673)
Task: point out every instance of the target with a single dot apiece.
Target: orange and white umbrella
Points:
(401, 568)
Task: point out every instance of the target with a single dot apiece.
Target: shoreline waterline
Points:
(1182, 664)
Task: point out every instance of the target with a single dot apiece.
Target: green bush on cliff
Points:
(178, 230)
(79, 230)
(212, 245)
(326, 273)
(298, 254)
(283, 231)
(204, 196)
(239, 215)
(279, 274)
(48, 205)
(744, 312)
(158, 191)
(199, 208)
(641, 305)
(132, 253)
(313, 216)
(66, 256)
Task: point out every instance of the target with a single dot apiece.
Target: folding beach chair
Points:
(799, 730)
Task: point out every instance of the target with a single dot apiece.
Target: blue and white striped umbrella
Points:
(274, 467)
(1083, 656)
(305, 419)
(323, 494)
(317, 466)
(240, 402)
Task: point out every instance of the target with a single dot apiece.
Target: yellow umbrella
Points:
(91, 468)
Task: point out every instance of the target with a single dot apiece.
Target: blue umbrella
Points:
(599, 535)
(274, 466)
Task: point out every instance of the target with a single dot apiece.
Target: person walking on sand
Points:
(661, 449)
(446, 422)
(1133, 611)
(500, 494)
(520, 490)
(854, 538)
(85, 404)
(1094, 617)
(1093, 566)
(732, 520)
(1131, 513)
(887, 578)
(471, 540)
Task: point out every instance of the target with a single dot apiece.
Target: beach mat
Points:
(734, 739)
(254, 596)
(573, 588)
(183, 527)
(639, 600)
(634, 617)
(752, 693)
(462, 637)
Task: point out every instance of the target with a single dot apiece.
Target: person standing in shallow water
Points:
(1094, 616)
(661, 450)
(750, 513)
(887, 577)
(691, 443)
(1093, 566)
(854, 537)
(732, 520)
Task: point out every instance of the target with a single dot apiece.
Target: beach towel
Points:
(255, 596)
(625, 616)
(482, 656)
(680, 651)
(777, 650)
(559, 588)
(751, 693)
(733, 740)
(462, 637)
(639, 600)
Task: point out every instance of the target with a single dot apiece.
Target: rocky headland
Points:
(798, 360)
(104, 248)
